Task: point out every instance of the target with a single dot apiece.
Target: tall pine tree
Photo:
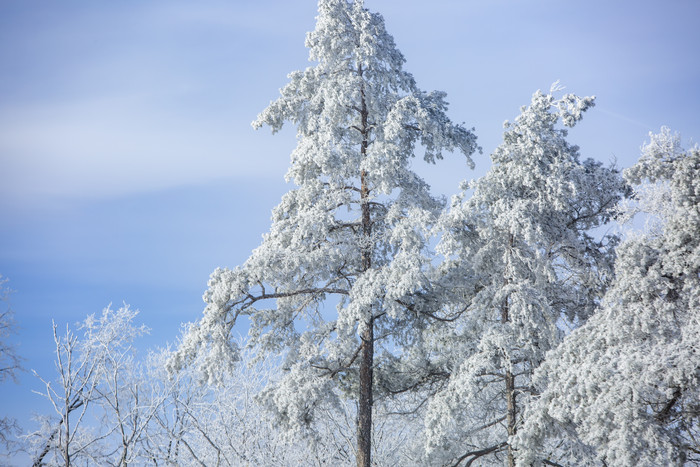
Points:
(625, 385)
(353, 234)
(519, 263)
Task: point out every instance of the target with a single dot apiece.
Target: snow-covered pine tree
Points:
(626, 384)
(353, 235)
(520, 264)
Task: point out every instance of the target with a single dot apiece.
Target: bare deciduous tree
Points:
(91, 374)
(10, 364)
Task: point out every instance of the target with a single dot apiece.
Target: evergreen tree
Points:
(519, 264)
(625, 385)
(353, 235)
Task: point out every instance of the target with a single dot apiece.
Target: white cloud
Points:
(117, 146)
(103, 102)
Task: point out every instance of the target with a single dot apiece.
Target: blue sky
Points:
(129, 169)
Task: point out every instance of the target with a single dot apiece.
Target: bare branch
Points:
(478, 454)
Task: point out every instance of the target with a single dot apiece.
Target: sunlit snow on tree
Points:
(355, 232)
(519, 262)
(625, 385)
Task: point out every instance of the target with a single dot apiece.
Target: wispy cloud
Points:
(103, 102)
(624, 118)
(110, 147)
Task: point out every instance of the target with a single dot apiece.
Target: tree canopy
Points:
(625, 385)
(520, 263)
(389, 327)
(353, 235)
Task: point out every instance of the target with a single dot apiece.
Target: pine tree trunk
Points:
(364, 412)
(511, 409)
(364, 416)
(510, 416)
(510, 396)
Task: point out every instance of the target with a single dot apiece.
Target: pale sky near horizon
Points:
(129, 169)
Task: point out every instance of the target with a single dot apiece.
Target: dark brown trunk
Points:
(510, 416)
(511, 408)
(364, 402)
(364, 415)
